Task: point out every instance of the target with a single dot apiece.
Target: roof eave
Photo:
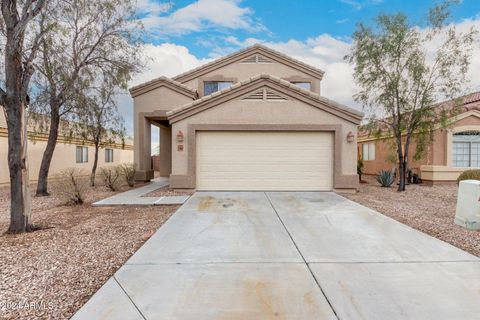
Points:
(349, 114)
(159, 82)
(191, 74)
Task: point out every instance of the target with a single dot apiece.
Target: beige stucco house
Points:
(252, 120)
(69, 153)
(454, 149)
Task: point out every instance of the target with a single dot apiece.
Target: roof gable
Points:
(255, 54)
(265, 87)
(165, 82)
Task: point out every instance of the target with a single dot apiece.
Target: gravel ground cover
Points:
(77, 248)
(166, 191)
(430, 209)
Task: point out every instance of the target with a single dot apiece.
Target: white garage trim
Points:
(264, 160)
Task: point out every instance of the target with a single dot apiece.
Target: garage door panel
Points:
(264, 160)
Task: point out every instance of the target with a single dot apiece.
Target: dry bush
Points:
(473, 174)
(71, 185)
(128, 173)
(111, 177)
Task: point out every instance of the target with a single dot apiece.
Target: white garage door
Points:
(245, 160)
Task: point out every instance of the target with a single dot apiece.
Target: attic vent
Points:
(256, 58)
(256, 96)
(262, 59)
(251, 59)
(271, 95)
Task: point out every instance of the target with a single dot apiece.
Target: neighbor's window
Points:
(210, 87)
(303, 85)
(108, 155)
(82, 154)
(368, 151)
(466, 149)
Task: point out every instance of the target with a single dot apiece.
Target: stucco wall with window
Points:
(240, 71)
(438, 163)
(385, 155)
(63, 157)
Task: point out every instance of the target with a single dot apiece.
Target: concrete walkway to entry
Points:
(288, 255)
(136, 197)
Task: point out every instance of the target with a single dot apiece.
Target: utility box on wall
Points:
(468, 204)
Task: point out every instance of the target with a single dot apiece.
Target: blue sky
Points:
(282, 20)
(181, 35)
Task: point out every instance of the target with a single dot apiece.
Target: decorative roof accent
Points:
(243, 54)
(272, 95)
(349, 113)
(256, 58)
(158, 82)
(258, 95)
(251, 59)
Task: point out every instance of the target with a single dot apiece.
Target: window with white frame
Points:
(466, 149)
(368, 151)
(210, 87)
(82, 154)
(108, 155)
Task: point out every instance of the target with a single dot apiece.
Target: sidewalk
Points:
(135, 197)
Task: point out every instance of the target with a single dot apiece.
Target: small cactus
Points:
(385, 178)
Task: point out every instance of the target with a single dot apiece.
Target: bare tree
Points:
(18, 57)
(400, 78)
(91, 36)
(101, 122)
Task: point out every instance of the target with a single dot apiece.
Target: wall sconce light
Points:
(350, 137)
(180, 136)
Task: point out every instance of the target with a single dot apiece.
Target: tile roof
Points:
(251, 48)
(313, 95)
(177, 84)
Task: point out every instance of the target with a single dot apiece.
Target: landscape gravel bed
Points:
(430, 209)
(166, 192)
(50, 273)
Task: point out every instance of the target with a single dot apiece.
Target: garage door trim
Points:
(189, 180)
(264, 160)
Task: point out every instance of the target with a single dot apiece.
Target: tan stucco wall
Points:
(241, 71)
(291, 112)
(156, 101)
(436, 165)
(384, 151)
(64, 157)
(162, 98)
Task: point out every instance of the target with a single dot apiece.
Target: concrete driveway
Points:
(288, 255)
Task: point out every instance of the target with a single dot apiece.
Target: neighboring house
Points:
(68, 153)
(454, 149)
(253, 120)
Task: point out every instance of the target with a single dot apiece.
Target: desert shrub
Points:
(360, 168)
(469, 175)
(71, 185)
(111, 177)
(385, 178)
(128, 172)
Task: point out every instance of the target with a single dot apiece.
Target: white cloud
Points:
(200, 16)
(358, 4)
(161, 60)
(324, 52)
(166, 59)
(152, 7)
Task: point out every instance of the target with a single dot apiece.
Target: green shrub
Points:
(128, 173)
(385, 178)
(469, 175)
(111, 176)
